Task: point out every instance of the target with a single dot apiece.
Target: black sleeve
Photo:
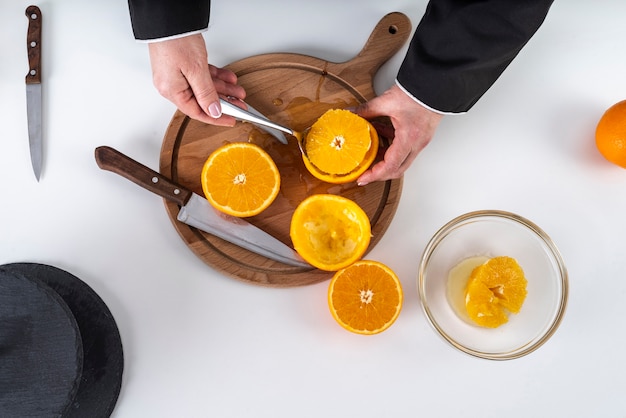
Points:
(461, 47)
(153, 19)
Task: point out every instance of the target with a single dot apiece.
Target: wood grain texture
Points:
(293, 90)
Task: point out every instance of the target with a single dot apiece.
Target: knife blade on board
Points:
(33, 88)
(196, 211)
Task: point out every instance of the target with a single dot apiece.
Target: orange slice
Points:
(494, 289)
(340, 146)
(329, 231)
(240, 179)
(366, 297)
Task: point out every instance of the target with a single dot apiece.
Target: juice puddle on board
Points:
(457, 282)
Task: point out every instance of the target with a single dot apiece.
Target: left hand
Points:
(413, 128)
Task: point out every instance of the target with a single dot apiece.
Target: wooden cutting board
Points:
(293, 90)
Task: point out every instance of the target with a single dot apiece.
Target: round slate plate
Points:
(103, 359)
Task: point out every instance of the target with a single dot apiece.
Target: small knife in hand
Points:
(33, 88)
(196, 211)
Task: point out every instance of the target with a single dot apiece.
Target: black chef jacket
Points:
(458, 50)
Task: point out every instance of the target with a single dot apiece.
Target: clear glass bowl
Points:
(490, 234)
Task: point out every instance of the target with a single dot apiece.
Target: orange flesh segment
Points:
(495, 289)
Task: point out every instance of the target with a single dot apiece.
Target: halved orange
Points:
(494, 289)
(329, 231)
(366, 297)
(240, 179)
(340, 146)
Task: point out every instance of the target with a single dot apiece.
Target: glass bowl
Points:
(490, 234)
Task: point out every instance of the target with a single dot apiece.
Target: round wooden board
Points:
(293, 90)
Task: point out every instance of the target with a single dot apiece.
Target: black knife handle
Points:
(112, 160)
(33, 44)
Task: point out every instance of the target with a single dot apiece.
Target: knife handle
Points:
(33, 44)
(112, 160)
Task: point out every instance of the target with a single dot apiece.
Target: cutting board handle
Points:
(389, 35)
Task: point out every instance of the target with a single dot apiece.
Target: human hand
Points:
(181, 73)
(413, 128)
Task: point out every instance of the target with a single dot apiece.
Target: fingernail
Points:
(361, 183)
(215, 110)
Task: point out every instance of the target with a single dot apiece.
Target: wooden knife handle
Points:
(112, 160)
(33, 43)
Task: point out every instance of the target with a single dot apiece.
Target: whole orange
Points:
(611, 134)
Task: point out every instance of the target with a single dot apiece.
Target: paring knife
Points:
(196, 211)
(33, 88)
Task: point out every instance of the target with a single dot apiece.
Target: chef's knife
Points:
(196, 211)
(33, 88)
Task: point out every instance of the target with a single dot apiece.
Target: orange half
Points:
(366, 297)
(340, 146)
(329, 231)
(240, 179)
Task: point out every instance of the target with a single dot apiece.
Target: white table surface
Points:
(199, 344)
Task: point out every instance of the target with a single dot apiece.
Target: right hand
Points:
(413, 128)
(181, 74)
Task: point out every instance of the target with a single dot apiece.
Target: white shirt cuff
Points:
(168, 38)
(424, 104)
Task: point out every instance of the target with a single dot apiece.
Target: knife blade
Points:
(33, 88)
(196, 211)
